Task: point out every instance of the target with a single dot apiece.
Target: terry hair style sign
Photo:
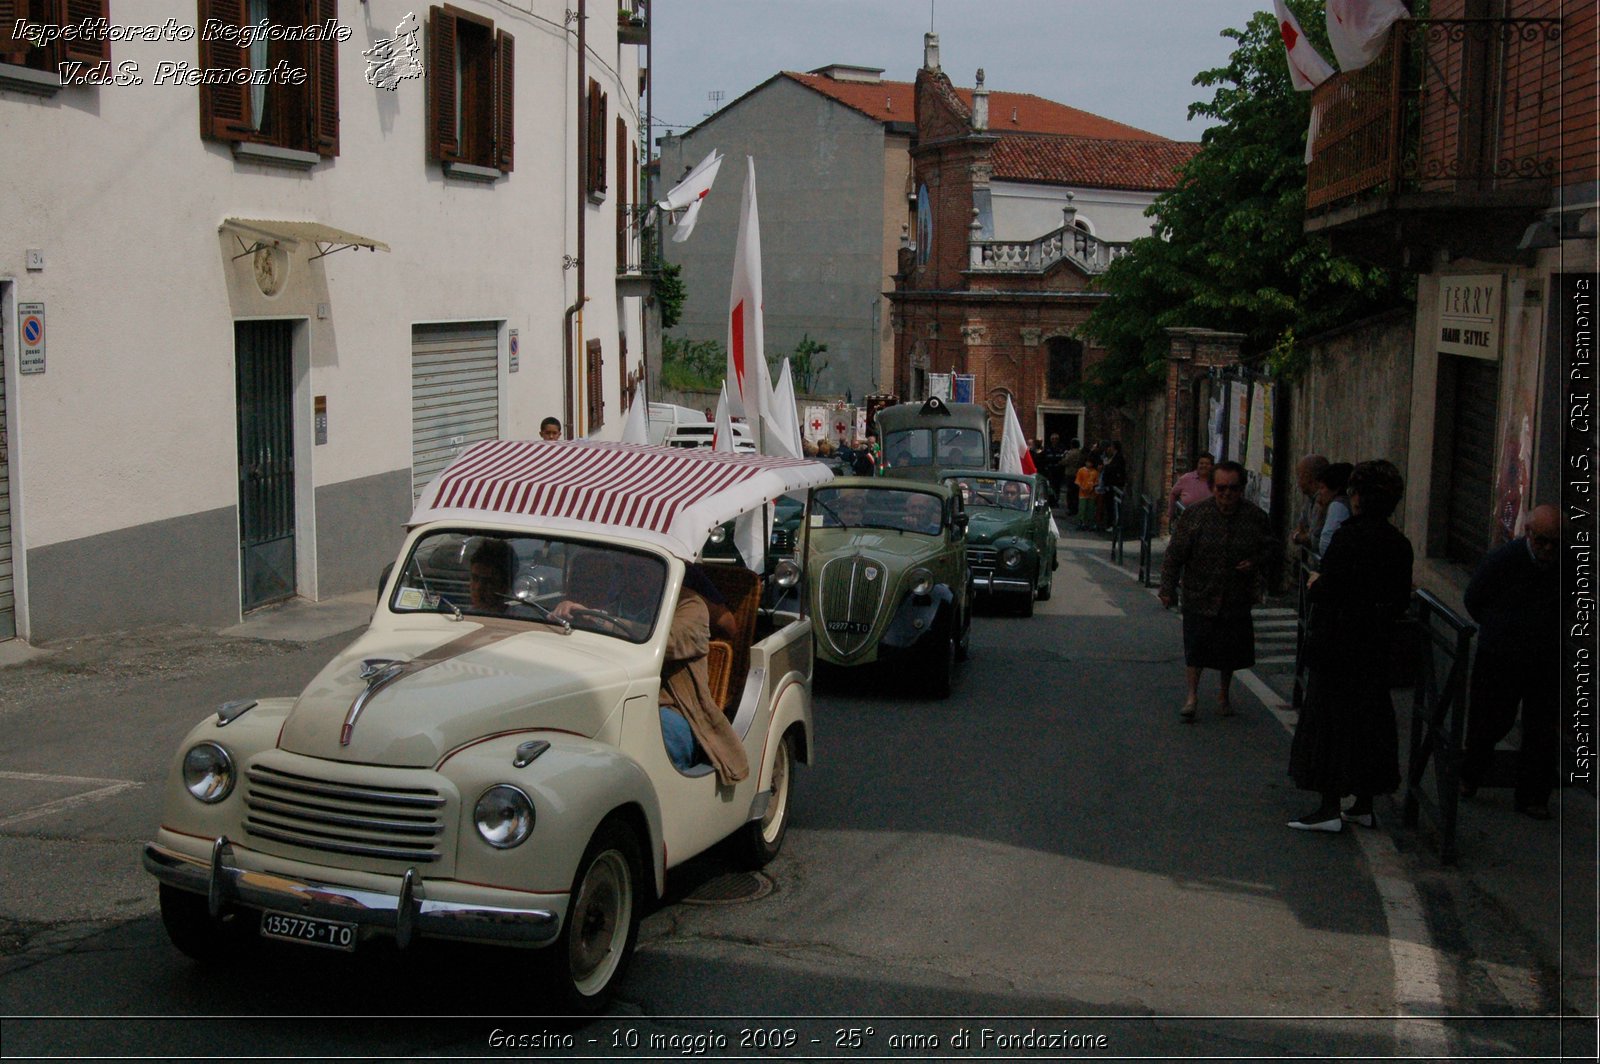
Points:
(1576, 339)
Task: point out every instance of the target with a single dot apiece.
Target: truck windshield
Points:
(947, 448)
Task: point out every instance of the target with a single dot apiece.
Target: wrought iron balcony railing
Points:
(1453, 108)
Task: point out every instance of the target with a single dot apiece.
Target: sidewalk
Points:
(1537, 878)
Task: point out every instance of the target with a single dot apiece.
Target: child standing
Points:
(1088, 479)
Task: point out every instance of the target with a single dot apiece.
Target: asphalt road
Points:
(1049, 854)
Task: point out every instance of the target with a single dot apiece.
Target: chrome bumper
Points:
(988, 583)
(403, 914)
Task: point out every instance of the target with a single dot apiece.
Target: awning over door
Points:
(254, 233)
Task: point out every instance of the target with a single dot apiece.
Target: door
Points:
(264, 371)
(1474, 388)
(8, 600)
(455, 394)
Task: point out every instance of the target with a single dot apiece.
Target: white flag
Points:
(637, 428)
(687, 195)
(749, 386)
(722, 433)
(1014, 456)
(1307, 69)
(1357, 29)
(783, 436)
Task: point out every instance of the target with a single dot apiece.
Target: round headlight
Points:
(921, 581)
(504, 817)
(786, 573)
(208, 772)
(1011, 557)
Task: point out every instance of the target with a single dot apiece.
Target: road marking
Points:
(106, 788)
(1419, 998)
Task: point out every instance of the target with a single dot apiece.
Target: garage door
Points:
(455, 394)
(1471, 499)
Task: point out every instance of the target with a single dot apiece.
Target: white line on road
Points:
(1419, 999)
(107, 788)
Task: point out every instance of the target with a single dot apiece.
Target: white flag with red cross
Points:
(1357, 29)
(1307, 69)
(687, 195)
(1014, 456)
(749, 384)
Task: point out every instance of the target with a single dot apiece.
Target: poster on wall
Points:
(1238, 410)
(1214, 435)
(1258, 447)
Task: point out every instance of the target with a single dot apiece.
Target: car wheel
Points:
(1044, 593)
(602, 925)
(762, 839)
(190, 926)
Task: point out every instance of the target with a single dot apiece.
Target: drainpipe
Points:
(572, 344)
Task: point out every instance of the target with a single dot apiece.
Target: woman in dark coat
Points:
(1345, 740)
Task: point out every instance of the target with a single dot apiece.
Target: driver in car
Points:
(1013, 497)
(692, 724)
(922, 514)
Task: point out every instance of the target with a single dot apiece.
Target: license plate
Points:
(851, 627)
(329, 934)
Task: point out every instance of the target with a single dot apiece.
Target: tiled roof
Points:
(895, 101)
(1092, 162)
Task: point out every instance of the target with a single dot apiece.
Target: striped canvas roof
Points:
(672, 497)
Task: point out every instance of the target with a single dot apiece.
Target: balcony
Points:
(636, 251)
(633, 22)
(1091, 254)
(1449, 140)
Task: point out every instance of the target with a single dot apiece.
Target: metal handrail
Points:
(1438, 719)
(1116, 524)
(1147, 527)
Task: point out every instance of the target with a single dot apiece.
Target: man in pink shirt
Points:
(1193, 486)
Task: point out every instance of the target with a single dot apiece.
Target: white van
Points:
(678, 426)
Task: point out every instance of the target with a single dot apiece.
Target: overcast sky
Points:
(1131, 60)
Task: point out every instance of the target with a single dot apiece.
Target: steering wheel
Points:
(615, 623)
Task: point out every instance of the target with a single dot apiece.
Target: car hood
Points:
(985, 524)
(464, 684)
(885, 545)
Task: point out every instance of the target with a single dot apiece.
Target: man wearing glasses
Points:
(1218, 554)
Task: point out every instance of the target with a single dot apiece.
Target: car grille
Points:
(392, 823)
(982, 560)
(853, 591)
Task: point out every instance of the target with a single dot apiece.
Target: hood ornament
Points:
(379, 673)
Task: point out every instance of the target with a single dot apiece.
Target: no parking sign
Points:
(30, 324)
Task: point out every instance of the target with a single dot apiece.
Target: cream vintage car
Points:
(475, 768)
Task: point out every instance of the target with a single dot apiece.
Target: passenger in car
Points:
(692, 723)
(490, 572)
(923, 514)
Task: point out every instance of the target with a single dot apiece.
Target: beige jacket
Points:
(686, 686)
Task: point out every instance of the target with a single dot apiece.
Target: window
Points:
(471, 75)
(88, 49)
(290, 96)
(596, 127)
(1064, 374)
(594, 387)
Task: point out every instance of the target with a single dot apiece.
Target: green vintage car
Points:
(887, 567)
(1011, 536)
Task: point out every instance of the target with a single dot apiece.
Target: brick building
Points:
(990, 283)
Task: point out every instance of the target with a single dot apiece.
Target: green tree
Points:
(669, 293)
(1229, 252)
(692, 365)
(804, 365)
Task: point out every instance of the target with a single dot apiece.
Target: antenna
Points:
(715, 96)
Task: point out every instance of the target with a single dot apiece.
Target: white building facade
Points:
(241, 324)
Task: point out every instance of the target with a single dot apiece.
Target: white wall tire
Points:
(602, 925)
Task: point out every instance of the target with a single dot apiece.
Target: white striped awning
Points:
(669, 496)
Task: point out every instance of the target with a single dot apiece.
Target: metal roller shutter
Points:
(1471, 498)
(455, 394)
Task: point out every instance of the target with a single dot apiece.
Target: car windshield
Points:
(992, 491)
(947, 448)
(889, 508)
(533, 578)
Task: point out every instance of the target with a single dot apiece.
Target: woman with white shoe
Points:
(1345, 742)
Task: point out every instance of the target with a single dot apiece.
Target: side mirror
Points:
(383, 580)
(1042, 505)
(960, 520)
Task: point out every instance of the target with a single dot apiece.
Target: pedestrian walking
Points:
(1088, 481)
(1344, 740)
(1113, 481)
(1054, 455)
(1071, 462)
(1515, 598)
(1194, 486)
(1217, 555)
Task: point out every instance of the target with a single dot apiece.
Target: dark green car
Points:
(886, 563)
(1011, 536)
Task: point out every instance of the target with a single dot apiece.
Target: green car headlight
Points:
(921, 581)
(1011, 558)
(504, 817)
(208, 772)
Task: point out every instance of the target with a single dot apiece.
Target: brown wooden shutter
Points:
(596, 126)
(85, 51)
(12, 49)
(505, 78)
(224, 109)
(595, 388)
(443, 142)
(325, 83)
